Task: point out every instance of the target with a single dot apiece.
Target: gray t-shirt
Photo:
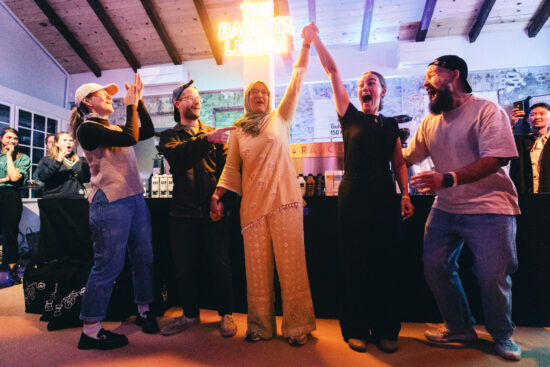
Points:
(476, 129)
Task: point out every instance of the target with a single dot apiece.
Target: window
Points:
(4, 116)
(33, 129)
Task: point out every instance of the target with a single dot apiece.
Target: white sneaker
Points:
(179, 324)
(228, 327)
(508, 349)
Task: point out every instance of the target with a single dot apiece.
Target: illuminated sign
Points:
(258, 33)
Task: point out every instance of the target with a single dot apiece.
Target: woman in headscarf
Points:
(259, 168)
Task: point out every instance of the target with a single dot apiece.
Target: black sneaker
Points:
(106, 340)
(148, 323)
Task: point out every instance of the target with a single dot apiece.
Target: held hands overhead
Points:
(309, 32)
(133, 91)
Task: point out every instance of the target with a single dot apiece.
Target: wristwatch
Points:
(448, 180)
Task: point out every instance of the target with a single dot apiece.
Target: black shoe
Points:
(148, 323)
(107, 340)
(14, 275)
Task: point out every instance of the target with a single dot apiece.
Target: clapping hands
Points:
(133, 91)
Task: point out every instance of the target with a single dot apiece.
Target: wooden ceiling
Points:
(96, 35)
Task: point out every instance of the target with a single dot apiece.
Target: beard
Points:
(190, 115)
(442, 102)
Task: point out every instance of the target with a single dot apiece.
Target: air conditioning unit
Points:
(414, 54)
(158, 79)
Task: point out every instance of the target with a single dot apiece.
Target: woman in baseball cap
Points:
(119, 218)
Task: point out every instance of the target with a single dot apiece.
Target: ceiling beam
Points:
(115, 34)
(365, 29)
(69, 37)
(426, 20)
(481, 19)
(209, 31)
(280, 9)
(161, 30)
(537, 22)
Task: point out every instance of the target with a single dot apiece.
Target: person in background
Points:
(469, 140)
(49, 142)
(14, 172)
(368, 211)
(196, 154)
(531, 170)
(259, 168)
(63, 172)
(119, 217)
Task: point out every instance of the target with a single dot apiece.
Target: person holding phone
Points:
(531, 170)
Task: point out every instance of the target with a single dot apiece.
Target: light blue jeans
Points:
(491, 238)
(120, 227)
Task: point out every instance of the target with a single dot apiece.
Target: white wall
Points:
(25, 65)
(490, 51)
(162, 79)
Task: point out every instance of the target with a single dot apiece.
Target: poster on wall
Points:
(325, 121)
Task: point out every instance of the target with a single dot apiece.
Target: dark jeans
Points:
(10, 216)
(194, 237)
(118, 228)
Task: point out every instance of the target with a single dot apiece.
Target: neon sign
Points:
(258, 33)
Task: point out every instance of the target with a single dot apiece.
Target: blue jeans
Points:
(491, 238)
(120, 227)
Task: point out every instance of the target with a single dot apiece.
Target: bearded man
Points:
(196, 154)
(469, 140)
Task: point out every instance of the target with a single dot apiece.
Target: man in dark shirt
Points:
(531, 170)
(196, 154)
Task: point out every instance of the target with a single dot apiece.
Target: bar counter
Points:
(65, 233)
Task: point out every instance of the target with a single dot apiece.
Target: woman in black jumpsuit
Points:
(368, 212)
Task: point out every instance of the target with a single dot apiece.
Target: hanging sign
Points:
(258, 33)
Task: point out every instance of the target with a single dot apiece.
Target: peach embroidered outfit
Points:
(259, 168)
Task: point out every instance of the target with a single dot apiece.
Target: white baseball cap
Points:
(88, 88)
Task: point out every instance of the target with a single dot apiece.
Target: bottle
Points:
(310, 185)
(302, 184)
(319, 185)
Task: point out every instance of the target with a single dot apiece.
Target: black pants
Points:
(10, 216)
(369, 292)
(193, 240)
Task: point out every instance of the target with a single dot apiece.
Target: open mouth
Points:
(366, 98)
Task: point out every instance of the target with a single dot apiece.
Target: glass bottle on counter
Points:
(302, 184)
(319, 185)
(310, 185)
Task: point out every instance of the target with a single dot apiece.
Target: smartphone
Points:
(519, 105)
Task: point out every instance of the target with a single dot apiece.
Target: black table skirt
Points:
(65, 233)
